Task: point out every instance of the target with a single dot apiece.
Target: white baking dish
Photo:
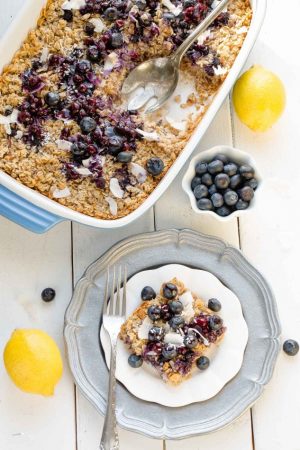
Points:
(10, 43)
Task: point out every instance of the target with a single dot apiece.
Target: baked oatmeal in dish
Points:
(64, 127)
(172, 331)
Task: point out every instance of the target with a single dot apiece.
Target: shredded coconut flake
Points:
(202, 38)
(19, 134)
(61, 193)
(176, 10)
(220, 70)
(113, 207)
(12, 118)
(115, 188)
(174, 338)
(149, 136)
(138, 172)
(83, 171)
(63, 145)
(181, 126)
(111, 61)
(73, 4)
(44, 55)
(242, 30)
(98, 24)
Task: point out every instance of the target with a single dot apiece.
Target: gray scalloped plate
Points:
(83, 317)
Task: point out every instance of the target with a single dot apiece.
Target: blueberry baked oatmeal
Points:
(172, 331)
(65, 130)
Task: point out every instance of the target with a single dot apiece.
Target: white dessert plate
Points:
(226, 359)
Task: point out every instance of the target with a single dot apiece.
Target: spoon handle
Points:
(182, 49)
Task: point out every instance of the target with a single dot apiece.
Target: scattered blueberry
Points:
(222, 181)
(214, 304)
(48, 294)
(111, 13)
(156, 334)
(215, 323)
(223, 211)
(235, 181)
(205, 204)
(216, 166)
(176, 322)
(201, 168)
(200, 191)
(124, 157)
(88, 125)
(207, 179)
(135, 361)
(154, 312)
(170, 291)
(291, 347)
(217, 200)
(148, 293)
(169, 351)
(246, 193)
(190, 341)
(155, 166)
(203, 363)
(253, 183)
(230, 169)
(52, 98)
(176, 306)
(241, 205)
(68, 15)
(247, 171)
(221, 157)
(195, 182)
(116, 40)
(231, 198)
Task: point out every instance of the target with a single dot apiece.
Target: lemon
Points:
(33, 361)
(259, 98)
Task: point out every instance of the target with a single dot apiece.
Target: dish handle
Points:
(26, 214)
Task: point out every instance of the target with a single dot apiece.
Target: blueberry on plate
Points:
(87, 125)
(201, 168)
(176, 322)
(235, 181)
(205, 204)
(155, 166)
(148, 293)
(246, 193)
(224, 211)
(195, 182)
(246, 171)
(222, 158)
(291, 347)
(154, 312)
(190, 341)
(156, 334)
(222, 181)
(216, 166)
(207, 179)
(214, 304)
(200, 191)
(170, 291)
(203, 363)
(231, 169)
(217, 200)
(176, 306)
(253, 183)
(169, 351)
(48, 294)
(241, 205)
(135, 361)
(231, 198)
(52, 98)
(215, 323)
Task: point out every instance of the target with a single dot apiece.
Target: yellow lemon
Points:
(33, 361)
(259, 98)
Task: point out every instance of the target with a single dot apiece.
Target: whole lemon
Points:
(259, 98)
(33, 361)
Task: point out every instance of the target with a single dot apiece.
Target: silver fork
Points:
(113, 317)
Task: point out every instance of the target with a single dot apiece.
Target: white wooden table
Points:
(268, 237)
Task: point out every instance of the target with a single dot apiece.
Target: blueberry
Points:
(207, 179)
(231, 198)
(188, 3)
(141, 4)
(111, 13)
(231, 169)
(116, 40)
(190, 341)
(241, 205)
(217, 200)
(176, 306)
(195, 182)
(201, 168)
(156, 334)
(222, 181)
(124, 157)
(253, 183)
(155, 166)
(215, 323)
(168, 16)
(246, 193)
(291, 347)
(89, 29)
(246, 171)
(148, 293)
(223, 211)
(203, 363)
(154, 312)
(87, 125)
(48, 294)
(200, 191)
(235, 181)
(205, 204)
(169, 351)
(68, 15)
(135, 361)
(176, 322)
(83, 66)
(215, 166)
(93, 53)
(212, 189)
(52, 98)
(222, 158)
(79, 151)
(214, 304)
(170, 291)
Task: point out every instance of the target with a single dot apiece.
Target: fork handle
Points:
(110, 438)
(183, 48)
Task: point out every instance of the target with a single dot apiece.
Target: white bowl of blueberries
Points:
(222, 182)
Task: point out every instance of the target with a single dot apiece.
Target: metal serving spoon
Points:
(155, 80)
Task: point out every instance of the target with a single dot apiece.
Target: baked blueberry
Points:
(207, 179)
(205, 204)
(215, 166)
(135, 361)
(215, 323)
(190, 341)
(241, 205)
(246, 171)
(156, 334)
(48, 295)
(148, 293)
(230, 169)
(176, 306)
(141, 4)
(214, 304)
(168, 16)
(253, 183)
(68, 15)
(231, 198)
(83, 66)
(200, 191)
(195, 182)
(224, 211)
(176, 322)
(124, 157)
(235, 181)
(89, 29)
(222, 181)
(155, 166)
(246, 193)
(79, 151)
(212, 189)
(52, 98)
(93, 53)
(154, 312)
(87, 125)
(170, 291)
(203, 363)
(291, 347)
(222, 158)
(111, 13)
(201, 168)
(116, 40)
(217, 200)
(169, 351)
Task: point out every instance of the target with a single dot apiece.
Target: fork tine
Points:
(112, 293)
(106, 293)
(118, 302)
(123, 312)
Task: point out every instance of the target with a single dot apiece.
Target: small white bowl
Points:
(234, 155)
